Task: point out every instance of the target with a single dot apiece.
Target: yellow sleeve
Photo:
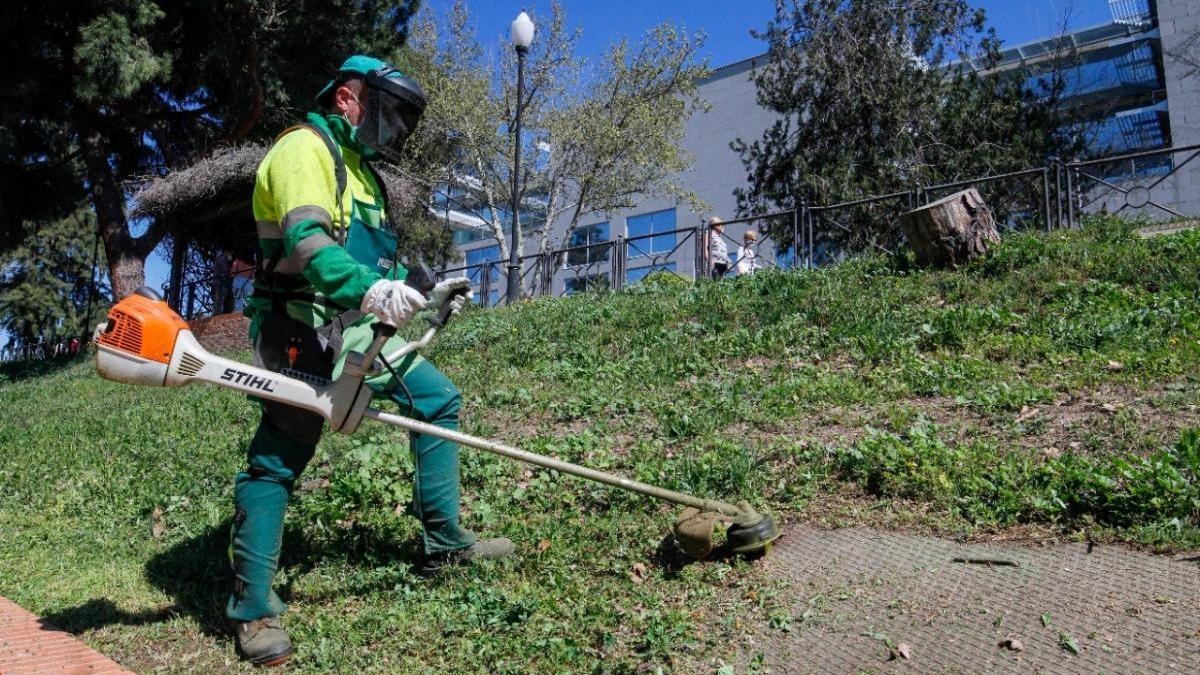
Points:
(296, 189)
(298, 172)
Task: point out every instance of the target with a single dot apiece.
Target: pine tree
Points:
(46, 282)
(97, 92)
(878, 96)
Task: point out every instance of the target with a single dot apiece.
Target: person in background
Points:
(222, 285)
(717, 252)
(242, 272)
(747, 254)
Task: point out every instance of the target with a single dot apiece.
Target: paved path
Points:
(855, 591)
(31, 645)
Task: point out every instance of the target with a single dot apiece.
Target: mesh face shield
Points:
(394, 106)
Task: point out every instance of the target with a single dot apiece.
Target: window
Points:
(589, 236)
(478, 256)
(648, 224)
(580, 284)
(636, 274)
(484, 254)
(469, 235)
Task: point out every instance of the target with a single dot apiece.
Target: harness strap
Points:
(279, 298)
(332, 331)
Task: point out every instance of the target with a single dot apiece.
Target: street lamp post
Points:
(522, 36)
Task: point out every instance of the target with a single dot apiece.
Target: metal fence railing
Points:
(1147, 184)
(582, 268)
(643, 255)
(857, 226)
(1019, 200)
(1155, 184)
(41, 350)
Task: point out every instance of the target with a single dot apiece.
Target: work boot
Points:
(483, 549)
(263, 642)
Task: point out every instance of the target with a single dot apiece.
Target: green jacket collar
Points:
(344, 135)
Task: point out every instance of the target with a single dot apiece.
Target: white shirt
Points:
(718, 252)
(747, 260)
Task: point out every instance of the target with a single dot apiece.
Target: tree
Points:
(46, 286)
(109, 90)
(593, 139)
(878, 96)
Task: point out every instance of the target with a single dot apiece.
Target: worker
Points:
(329, 270)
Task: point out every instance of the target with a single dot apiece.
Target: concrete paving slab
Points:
(854, 592)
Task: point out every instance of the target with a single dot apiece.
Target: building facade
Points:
(1178, 23)
(1135, 95)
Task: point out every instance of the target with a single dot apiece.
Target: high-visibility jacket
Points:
(301, 227)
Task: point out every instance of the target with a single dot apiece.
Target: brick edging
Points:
(29, 644)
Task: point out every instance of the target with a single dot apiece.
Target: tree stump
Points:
(951, 231)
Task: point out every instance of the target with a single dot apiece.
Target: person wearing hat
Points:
(716, 253)
(747, 254)
(329, 271)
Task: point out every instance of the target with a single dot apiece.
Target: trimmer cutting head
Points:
(751, 534)
(748, 532)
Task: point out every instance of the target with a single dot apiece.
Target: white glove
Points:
(445, 289)
(392, 301)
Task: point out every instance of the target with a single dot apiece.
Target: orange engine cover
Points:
(142, 326)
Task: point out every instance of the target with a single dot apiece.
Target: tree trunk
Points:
(127, 272)
(126, 255)
(951, 231)
(178, 258)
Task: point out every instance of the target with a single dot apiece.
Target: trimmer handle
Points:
(421, 278)
(443, 315)
(383, 332)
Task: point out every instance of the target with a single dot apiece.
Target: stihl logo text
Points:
(248, 380)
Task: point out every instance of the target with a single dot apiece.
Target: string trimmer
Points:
(145, 342)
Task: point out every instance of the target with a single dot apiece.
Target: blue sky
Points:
(727, 24)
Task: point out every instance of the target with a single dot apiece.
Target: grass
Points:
(1047, 389)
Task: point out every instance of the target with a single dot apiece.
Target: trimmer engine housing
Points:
(145, 342)
(136, 344)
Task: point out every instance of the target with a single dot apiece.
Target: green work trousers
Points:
(276, 459)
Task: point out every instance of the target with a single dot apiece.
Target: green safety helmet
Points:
(394, 103)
